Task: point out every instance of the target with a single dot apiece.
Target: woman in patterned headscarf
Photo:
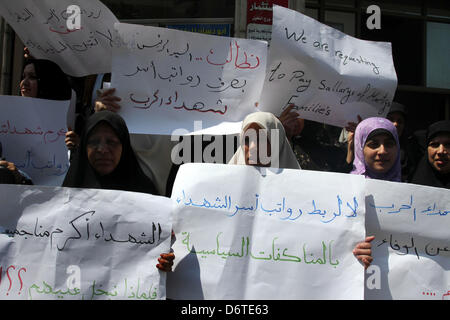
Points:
(377, 156)
(377, 150)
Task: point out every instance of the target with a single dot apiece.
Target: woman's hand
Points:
(293, 125)
(27, 54)
(351, 127)
(72, 139)
(18, 178)
(166, 261)
(363, 251)
(107, 101)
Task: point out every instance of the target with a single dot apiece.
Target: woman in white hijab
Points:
(273, 132)
(249, 153)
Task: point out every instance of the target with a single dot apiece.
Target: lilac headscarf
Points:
(362, 131)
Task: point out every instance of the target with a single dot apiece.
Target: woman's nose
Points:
(102, 147)
(441, 148)
(382, 149)
(253, 147)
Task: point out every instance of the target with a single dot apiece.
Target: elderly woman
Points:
(434, 168)
(105, 160)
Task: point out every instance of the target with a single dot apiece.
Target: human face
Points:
(253, 153)
(398, 120)
(438, 153)
(104, 149)
(380, 153)
(29, 83)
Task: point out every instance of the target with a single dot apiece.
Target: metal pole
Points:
(2, 32)
(7, 54)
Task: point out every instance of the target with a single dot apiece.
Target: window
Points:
(438, 55)
(406, 36)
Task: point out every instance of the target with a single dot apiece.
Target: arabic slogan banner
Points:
(412, 244)
(32, 133)
(244, 232)
(45, 27)
(330, 77)
(63, 243)
(168, 79)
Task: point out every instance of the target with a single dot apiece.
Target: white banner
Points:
(331, 77)
(63, 243)
(168, 79)
(32, 133)
(411, 249)
(76, 34)
(249, 233)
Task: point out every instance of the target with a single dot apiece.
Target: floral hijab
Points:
(362, 132)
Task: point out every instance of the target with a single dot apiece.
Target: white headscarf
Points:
(268, 121)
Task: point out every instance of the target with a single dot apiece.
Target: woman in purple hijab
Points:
(377, 148)
(377, 156)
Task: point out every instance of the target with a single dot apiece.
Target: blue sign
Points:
(218, 29)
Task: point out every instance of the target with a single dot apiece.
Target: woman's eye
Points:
(93, 142)
(372, 144)
(112, 143)
(433, 144)
(29, 76)
(390, 144)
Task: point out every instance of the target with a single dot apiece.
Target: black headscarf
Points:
(53, 83)
(127, 176)
(425, 173)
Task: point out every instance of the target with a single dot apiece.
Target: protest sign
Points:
(68, 243)
(330, 77)
(411, 225)
(244, 232)
(167, 79)
(76, 34)
(32, 133)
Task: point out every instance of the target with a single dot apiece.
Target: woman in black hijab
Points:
(105, 159)
(434, 168)
(44, 79)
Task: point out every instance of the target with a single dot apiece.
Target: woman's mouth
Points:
(103, 162)
(441, 162)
